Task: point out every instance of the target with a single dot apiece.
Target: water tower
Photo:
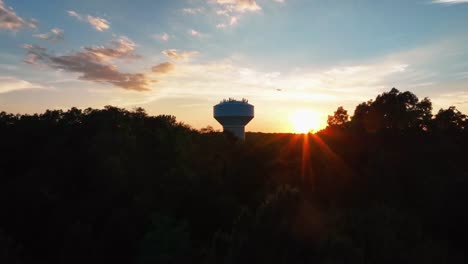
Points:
(234, 115)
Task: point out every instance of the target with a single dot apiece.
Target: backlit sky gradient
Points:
(181, 57)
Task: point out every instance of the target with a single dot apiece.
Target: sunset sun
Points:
(304, 121)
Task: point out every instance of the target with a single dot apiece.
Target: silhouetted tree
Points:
(339, 118)
(166, 241)
(113, 185)
(393, 110)
(208, 129)
(450, 119)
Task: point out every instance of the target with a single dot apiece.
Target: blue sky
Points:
(181, 57)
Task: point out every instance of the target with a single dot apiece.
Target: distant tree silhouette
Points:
(387, 185)
(208, 129)
(450, 119)
(393, 110)
(339, 118)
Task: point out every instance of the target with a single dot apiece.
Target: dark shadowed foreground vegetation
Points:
(389, 185)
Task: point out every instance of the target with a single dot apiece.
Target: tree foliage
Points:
(387, 185)
(393, 110)
(339, 118)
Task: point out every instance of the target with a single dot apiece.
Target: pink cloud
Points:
(55, 35)
(99, 24)
(176, 55)
(11, 21)
(92, 63)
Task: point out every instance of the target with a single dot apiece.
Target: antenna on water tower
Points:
(234, 115)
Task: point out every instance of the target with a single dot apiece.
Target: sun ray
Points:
(304, 121)
(306, 168)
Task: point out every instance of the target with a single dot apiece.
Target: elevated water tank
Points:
(234, 115)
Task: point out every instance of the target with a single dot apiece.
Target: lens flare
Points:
(304, 121)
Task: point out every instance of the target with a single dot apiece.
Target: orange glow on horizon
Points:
(304, 121)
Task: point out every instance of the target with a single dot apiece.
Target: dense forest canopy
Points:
(385, 185)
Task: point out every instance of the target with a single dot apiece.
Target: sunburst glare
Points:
(304, 121)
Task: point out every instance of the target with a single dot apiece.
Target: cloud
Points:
(192, 11)
(9, 84)
(320, 88)
(233, 10)
(99, 24)
(194, 33)
(240, 5)
(120, 48)
(56, 35)
(75, 14)
(93, 64)
(350, 84)
(176, 55)
(233, 20)
(11, 21)
(449, 2)
(222, 12)
(163, 68)
(164, 37)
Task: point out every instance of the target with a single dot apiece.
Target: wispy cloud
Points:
(194, 33)
(163, 68)
(193, 11)
(164, 37)
(93, 63)
(240, 5)
(120, 48)
(298, 84)
(75, 14)
(11, 21)
(222, 12)
(233, 10)
(232, 21)
(450, 2)
(179, 55)
(99, 24)
(55, 35)
(10, 83)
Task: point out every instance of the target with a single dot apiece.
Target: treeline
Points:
(387, 185)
